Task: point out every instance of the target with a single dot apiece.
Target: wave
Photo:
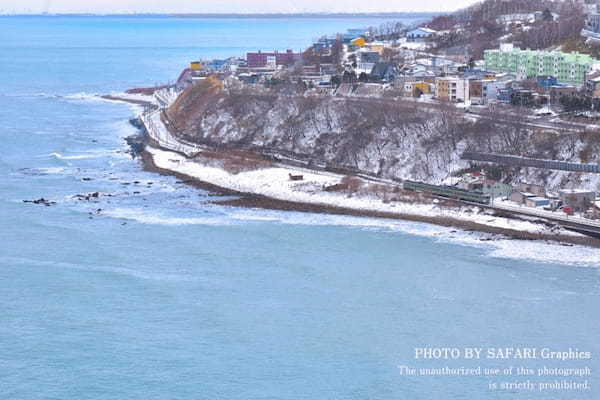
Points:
(95, 98)
(155, 276)
(543, 252)
(534, 251)
(31, 95)
(42, 171)
(153, 218)
(83, 96)
(75, 157)
(88, 155)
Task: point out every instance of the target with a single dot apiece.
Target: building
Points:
(477, 91)
(566, 67)
(537, 190)
(452, 89)
(420, 35)
(352, 34)
(592, 84)
(537, 201)
(524, 98)
(358, 32)
(196, 66)
(358, 42)
(591, 30)
(578, 200)
(324, 43)
(558, 92)
(478, 182)
(384, 72)
(416, 89)
(369, 57)
(546, 82)
(377, 47)
(516, 18)
(262, 60)
(520, 197)
(492, 90)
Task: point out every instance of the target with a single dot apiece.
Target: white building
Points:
(453, 89)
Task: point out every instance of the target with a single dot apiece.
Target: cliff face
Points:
(386, 137)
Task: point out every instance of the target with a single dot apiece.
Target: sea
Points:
(152, 291)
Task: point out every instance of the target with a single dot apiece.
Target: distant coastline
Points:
(415, 15)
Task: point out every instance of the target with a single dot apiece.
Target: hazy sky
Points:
(229, 6)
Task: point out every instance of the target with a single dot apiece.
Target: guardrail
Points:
(160, 134)
(530, 162)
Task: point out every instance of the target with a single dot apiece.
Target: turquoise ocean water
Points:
(153, 293)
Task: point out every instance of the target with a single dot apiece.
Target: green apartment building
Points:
(566, 67)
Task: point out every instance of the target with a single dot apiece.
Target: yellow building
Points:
(415, 89)
(423, 87)
(196, 66)
(358, 42)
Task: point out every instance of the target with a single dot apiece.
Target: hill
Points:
(533, 24)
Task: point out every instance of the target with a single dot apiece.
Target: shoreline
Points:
(249, 199)
(259, 201)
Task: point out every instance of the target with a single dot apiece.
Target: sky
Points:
(227, 6)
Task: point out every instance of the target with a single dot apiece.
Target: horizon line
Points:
(251, 15)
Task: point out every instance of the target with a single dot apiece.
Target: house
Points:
(420, 34)
(384, 72)
(578, 200)
(452, 89)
